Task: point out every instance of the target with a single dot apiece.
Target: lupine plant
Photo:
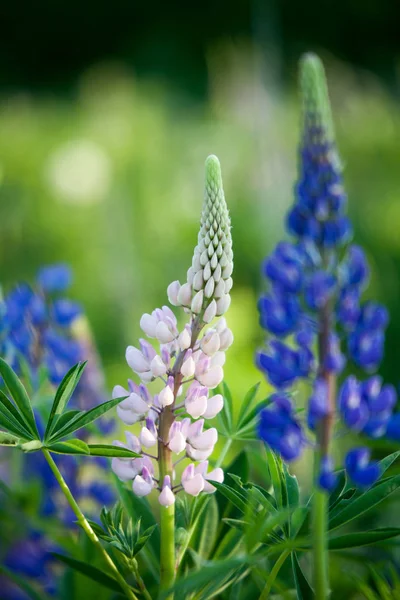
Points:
(182, 526)
(320, 328)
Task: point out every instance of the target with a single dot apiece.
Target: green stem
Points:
(86, 526)
(320, 518)
(167, 513)
(273, 575)
(140, 581)
(223, 452)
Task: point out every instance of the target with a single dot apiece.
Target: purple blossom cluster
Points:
(316, 317)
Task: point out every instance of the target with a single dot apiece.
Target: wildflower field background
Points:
(101, 168)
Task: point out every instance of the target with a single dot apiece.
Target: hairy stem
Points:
(323, 439)
(87, 527)
(167, 513)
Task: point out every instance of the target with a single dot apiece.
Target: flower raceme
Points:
(186, 362)
(314, 311)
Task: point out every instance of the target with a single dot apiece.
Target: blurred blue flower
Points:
(313, 311)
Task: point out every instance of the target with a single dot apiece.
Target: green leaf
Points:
(246, 404)
(19, 395)
(144, 539)
(304, 590)
(63, 394)
(365, 502)
(85, 418)
(8, 423)
(89, 571)
(7, 439)
(231, 494)
(387, 462)
(353, 540)
(274, 471)
(12, 413)
(214, 572)
(206, 530)
(111, 451)
(226, 415)
(337, 492)
(70, 447)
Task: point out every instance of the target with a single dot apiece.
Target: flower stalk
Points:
(87, 527)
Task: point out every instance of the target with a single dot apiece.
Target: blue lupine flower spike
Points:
(313, 310)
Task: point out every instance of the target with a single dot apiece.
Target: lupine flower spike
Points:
(186, 362)
(317, 320)
(314, 311)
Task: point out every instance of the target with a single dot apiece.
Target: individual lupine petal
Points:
(351, 404)
(143, 484)
(214, 405)
(279, 313)
(125, 470)
(177, 441)
(327, 479)
(132, 442)
(185, 338)
(223, 304)
(129, 417)
(210, 312)
(188, 365)
(212, 377)
(214, 475)
(197, 302)
(166, 356)
(359, 468)
(355, 269)
(147, 350)
(136, 360)
(185, 294)
(195, 454)
(164, 333)
(318, 289)
(166, 497)
(158, 367)
(148, 324)
(374, 316)
(166, 396)
(348, 309)
(193, 483)
(210, 342)
(226, 339)
(148, 434)
(119, 392)
(196, 400)
(172, 292)
(219, 358)
(285, 267)
(55, 278)
(366, 347)
(202, 440)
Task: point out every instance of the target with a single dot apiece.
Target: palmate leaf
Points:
(76, 446)
(243, 417)
(20, 397)
(365, 538)
(365, 502)
(10, 424)
(10, 411)
(82, 419)
(63, 394)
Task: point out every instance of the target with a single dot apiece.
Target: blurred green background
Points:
(108, 111)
